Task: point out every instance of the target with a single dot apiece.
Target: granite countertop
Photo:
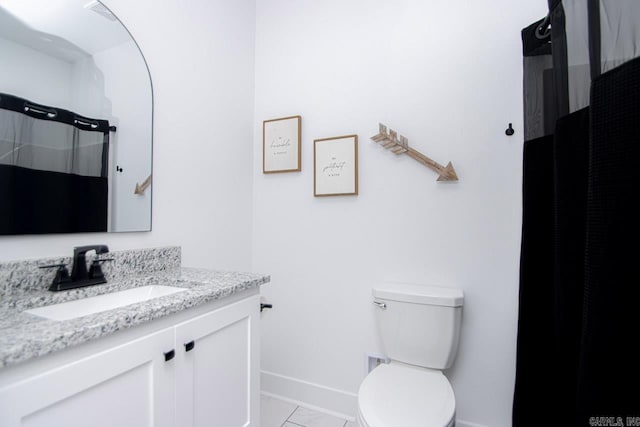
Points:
(24, 336)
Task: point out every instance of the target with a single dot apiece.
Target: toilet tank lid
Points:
(419, 294)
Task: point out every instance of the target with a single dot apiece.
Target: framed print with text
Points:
(335, 166)
(281, 145)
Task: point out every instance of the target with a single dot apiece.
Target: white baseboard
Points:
(331, 401)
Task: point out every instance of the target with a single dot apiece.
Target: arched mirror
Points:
(76, 115)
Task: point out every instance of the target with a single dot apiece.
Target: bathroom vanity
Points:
(190, 358)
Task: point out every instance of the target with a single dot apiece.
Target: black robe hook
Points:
(509, 130)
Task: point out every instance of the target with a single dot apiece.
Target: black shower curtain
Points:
(53, 169)
(579, 284)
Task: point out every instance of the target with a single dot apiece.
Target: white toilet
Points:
(419, 327)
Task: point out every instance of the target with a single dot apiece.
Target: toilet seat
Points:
(395, 395)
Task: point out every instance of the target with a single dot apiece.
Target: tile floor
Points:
(278, 413)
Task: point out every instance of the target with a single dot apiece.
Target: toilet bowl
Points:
(395, 395)
(419, 327)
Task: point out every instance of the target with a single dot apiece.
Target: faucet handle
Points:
(61, 265)
(99, 260)
(62, 275)
(95, 271)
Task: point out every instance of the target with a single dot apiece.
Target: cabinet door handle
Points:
(189, 346)
(263, 306)
(169, 355)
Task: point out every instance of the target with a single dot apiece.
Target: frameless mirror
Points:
(76, 114)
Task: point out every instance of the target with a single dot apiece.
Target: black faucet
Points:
(79, 270)
(79, 275)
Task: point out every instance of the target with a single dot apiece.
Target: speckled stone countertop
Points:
(24, 336)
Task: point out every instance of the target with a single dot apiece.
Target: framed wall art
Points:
(281, 145)
(335, 166)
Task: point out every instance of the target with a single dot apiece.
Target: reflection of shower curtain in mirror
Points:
(53, 170)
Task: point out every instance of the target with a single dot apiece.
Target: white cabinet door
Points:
(128, 385)
(217, 380)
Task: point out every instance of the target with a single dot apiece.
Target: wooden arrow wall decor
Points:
(398, 145)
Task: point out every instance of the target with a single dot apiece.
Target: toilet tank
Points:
(419, 325)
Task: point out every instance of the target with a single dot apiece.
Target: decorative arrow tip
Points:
(448, 173)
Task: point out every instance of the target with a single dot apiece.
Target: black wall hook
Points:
(509, 130)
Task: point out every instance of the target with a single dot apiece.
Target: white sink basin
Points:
(91, 305)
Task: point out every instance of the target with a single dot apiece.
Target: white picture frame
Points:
(281, 146)
(335, 164)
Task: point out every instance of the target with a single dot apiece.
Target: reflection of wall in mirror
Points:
(34, 75)
(129, 93)
(83, 88)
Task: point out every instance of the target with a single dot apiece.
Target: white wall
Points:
(201, 56)
(448, 76)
